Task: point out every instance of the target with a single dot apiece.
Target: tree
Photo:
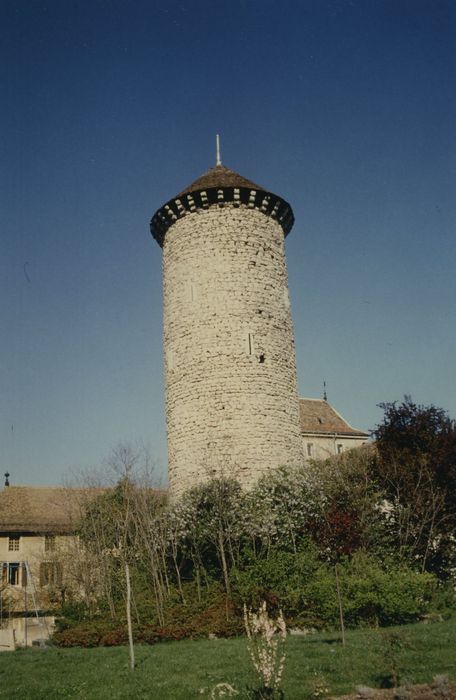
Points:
(211, 522)
(416, 468)
(117, 525)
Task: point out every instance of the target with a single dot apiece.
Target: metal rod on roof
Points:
(217, 142)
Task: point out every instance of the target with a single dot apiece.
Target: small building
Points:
(34, 522)
(324, 432)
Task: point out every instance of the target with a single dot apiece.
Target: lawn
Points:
(182, 670)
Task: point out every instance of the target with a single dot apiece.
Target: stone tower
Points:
(230, 370)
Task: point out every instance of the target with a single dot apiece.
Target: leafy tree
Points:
(416, 469)
(351, 518)
(210, 517)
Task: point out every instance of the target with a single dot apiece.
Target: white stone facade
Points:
(231, 395)
(325, 446)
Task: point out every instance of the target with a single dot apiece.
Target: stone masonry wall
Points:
(231, 395)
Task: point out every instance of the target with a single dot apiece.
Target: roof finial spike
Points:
(325, 396)
(217, 141)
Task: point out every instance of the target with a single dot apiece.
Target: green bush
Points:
(371, 594)
(214, 614)
(306, 589)
(278, 579)
(444, 599)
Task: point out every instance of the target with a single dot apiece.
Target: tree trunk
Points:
(341, 611)
(223, 561)
(130, 630)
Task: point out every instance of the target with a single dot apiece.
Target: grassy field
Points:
(182, 670)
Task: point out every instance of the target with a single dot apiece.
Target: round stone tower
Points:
(230, 370)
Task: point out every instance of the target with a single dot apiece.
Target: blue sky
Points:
(346, 108)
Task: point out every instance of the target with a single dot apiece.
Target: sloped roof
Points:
(219, 176)
(41, 508)
(220, 186)
(318, 416)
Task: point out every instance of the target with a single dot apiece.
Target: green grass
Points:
(180, 670)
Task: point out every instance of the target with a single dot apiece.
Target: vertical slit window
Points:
(250, 348)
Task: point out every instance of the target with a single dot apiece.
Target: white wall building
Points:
(324, 432)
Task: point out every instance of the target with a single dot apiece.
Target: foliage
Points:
(416, 471)
(279, 579)
(392, 643)
(306, 589)
(383, 514)
(266, 640)
(379, 596)
(85, 635)
(207, 525)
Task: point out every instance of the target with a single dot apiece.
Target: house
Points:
(324, 431)
(35, 522)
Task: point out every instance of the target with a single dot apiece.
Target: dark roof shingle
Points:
(219, 176)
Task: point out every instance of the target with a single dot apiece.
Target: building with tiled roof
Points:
(43, 509)
(325, 432)
(36, 522)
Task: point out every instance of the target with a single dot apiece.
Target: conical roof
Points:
(219, 176)
(220, 186)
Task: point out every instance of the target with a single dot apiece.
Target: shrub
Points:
(169, 633)
(78, 637)
(115, 637)
(266, 639)
(306, 589)
(279, 579)
(375, 595)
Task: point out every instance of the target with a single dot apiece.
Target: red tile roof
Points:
(318, 416)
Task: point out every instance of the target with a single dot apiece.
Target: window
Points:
(249, 346)
(340, 449)
(13, 574)
(49, 543)
(192, 291)
(50, 573)
(13, 543)
(310, 449)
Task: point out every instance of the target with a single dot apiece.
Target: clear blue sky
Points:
(346, 108)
